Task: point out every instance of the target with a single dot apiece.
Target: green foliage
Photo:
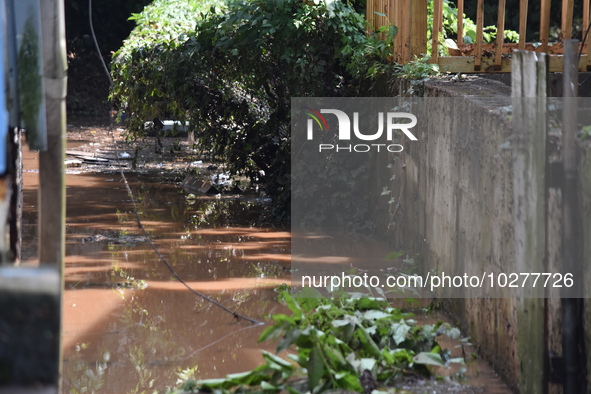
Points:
(373, 57)
(165, 21)
(337, 341)
(232, 74)
(418, 69)
(450, 28)
(585, 132)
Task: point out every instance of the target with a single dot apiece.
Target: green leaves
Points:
(271, 376)
(316, 368)
(450, 27)
(400, 331)
(336, 342)
(367, 343)
(428, 358)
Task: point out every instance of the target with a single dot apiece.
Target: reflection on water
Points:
(151, 336)
(128, 325)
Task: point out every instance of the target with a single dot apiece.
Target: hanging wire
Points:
(98, 49)
(133, 201)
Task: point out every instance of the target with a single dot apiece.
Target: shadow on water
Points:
(129, 325)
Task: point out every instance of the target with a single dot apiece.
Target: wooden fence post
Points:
(437, 22)
(418, 30)
(52, 190)
(529, 91)
(567, 20)
(523, 6)
(51, 162)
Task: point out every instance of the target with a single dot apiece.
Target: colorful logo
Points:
(388, 122)
(318, 118)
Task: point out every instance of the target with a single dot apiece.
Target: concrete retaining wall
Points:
(456, 211)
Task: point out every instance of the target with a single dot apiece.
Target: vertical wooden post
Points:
(567, 19)
(500, 34)
(51, 162)
(544, 24)
(405, 12)
(418, 33)
(437, 18)
(528, 79)
(383, 21)
(370, 16)
(522, 23)
(585, 45)
(587, 64)
(460, 23)
(585, 15)
(479, 34)
(396, 18)
(52, 201)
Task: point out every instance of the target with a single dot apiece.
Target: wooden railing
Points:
(410, 16)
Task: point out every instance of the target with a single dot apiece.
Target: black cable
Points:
(141, 226)
(98, 49)
(137, 216)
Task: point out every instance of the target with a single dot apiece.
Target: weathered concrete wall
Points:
(456, 206)
(456, 212)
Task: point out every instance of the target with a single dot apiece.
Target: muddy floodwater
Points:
(128, 325)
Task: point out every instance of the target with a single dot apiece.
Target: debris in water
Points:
(193, 183)
(221, 179)
(73, 163)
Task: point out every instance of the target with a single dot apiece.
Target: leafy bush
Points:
(232, 74)
(348, 343)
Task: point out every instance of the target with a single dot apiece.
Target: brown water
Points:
(119, 336)
(129, 326)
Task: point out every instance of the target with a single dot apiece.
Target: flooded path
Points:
(128, 324)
